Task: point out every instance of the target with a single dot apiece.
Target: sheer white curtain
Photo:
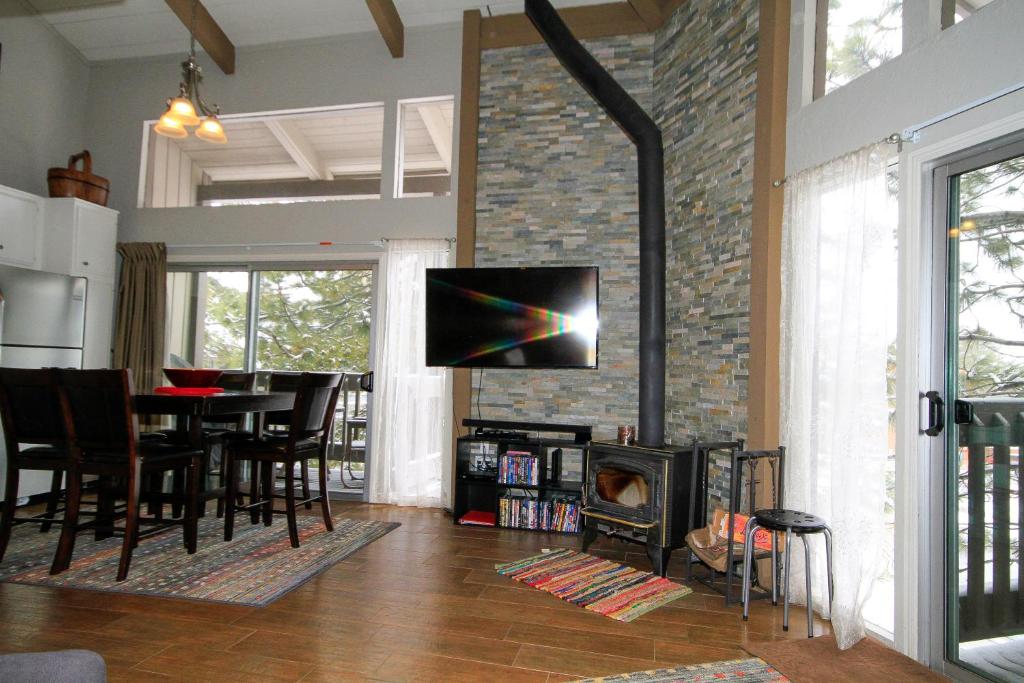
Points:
(837, 284)
(411, 412)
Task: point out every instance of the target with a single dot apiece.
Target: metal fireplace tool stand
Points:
(741, 460)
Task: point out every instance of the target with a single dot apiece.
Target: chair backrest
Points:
(232, 381)
(99, 410)
(316, 397)
(237, 381)
(281, 381)
(30, 408)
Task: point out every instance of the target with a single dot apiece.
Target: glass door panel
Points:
(985, 380)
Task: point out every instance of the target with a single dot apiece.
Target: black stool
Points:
(791, 522)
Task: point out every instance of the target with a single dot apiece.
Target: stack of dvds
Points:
(518, 512)
(518, 467)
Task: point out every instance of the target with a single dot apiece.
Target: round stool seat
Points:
(789, 520)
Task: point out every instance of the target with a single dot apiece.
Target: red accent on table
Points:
(189, 391)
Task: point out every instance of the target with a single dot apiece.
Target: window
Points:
(271, 159)
(853, 37)
(273, 319)
(424, 167)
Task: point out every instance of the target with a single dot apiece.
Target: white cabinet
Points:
(80, 238)
(21, 227)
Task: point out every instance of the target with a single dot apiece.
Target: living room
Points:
(805, 291)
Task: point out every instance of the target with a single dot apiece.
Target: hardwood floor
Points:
(422, 603)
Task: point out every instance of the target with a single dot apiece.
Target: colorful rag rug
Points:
(747, 670)
(601, 586)
(255, 568)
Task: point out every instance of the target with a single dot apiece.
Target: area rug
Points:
(747, 670)
(255, 568)
(609, 588)
(818, 660)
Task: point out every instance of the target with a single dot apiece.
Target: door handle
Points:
(963, 412)
(936, 413)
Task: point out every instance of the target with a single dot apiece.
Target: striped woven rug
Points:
(609, 588)
(255, 568)
(745, 670)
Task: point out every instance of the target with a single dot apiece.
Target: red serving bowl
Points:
(192, 377)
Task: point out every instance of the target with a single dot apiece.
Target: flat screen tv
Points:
(512, 317)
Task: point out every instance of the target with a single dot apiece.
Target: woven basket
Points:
(70, 182)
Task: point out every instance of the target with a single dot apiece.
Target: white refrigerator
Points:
(42, 324)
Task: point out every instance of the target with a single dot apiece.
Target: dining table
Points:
(190, 410)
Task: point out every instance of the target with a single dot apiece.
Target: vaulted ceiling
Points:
(119, 29)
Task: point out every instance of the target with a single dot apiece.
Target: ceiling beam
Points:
(389, 24)
(439, 130)
(208, 33)
(589, 21)
(649, 11)
(299, 149)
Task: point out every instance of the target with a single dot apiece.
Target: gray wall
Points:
(43, 95)
(340, 70)
(557, 186)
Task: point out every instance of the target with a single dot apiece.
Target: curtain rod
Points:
(913, 133)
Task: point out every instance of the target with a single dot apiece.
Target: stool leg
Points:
(807, 578)
(785, 582)
(775, 568)
(748, 554)
(828, 561)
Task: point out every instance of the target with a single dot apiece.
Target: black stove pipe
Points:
(645, 134)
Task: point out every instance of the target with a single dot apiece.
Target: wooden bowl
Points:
(192, 377)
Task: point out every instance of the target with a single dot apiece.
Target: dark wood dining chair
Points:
(278, 421)
(309, 436)
(103, 435)
(30, 413)
(219, 431)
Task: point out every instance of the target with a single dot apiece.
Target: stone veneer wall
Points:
(556, 185)
(705, 77)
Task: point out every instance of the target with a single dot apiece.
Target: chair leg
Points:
(192, 507)
(748, 559)
(10, 504)
(230, 467)
(828, 561)
(289, 495)
(69, 528)
(325, 501)
(306, 495)
(807, 578)
(177, 493)
(204, 472)
(52, 501)
(254, 490)
(154, 501)
(267, 477)
(775, 568)
(131, 525)
(104, 508)
(785, 581)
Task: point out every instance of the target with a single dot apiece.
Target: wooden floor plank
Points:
(422, 603)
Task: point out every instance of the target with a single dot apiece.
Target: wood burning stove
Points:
(653, 496)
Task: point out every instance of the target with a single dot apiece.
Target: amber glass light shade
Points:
(182, 110)
(210, 130)
(170, 127)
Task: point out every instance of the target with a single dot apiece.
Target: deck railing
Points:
(989, 491)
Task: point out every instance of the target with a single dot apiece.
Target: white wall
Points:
(336, 71)
(43, 96)
(938, 72)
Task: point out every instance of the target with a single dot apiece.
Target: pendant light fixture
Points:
(188, 110)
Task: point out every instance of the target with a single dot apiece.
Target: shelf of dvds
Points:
(509, 478)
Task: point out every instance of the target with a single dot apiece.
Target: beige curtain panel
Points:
(141, 302)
